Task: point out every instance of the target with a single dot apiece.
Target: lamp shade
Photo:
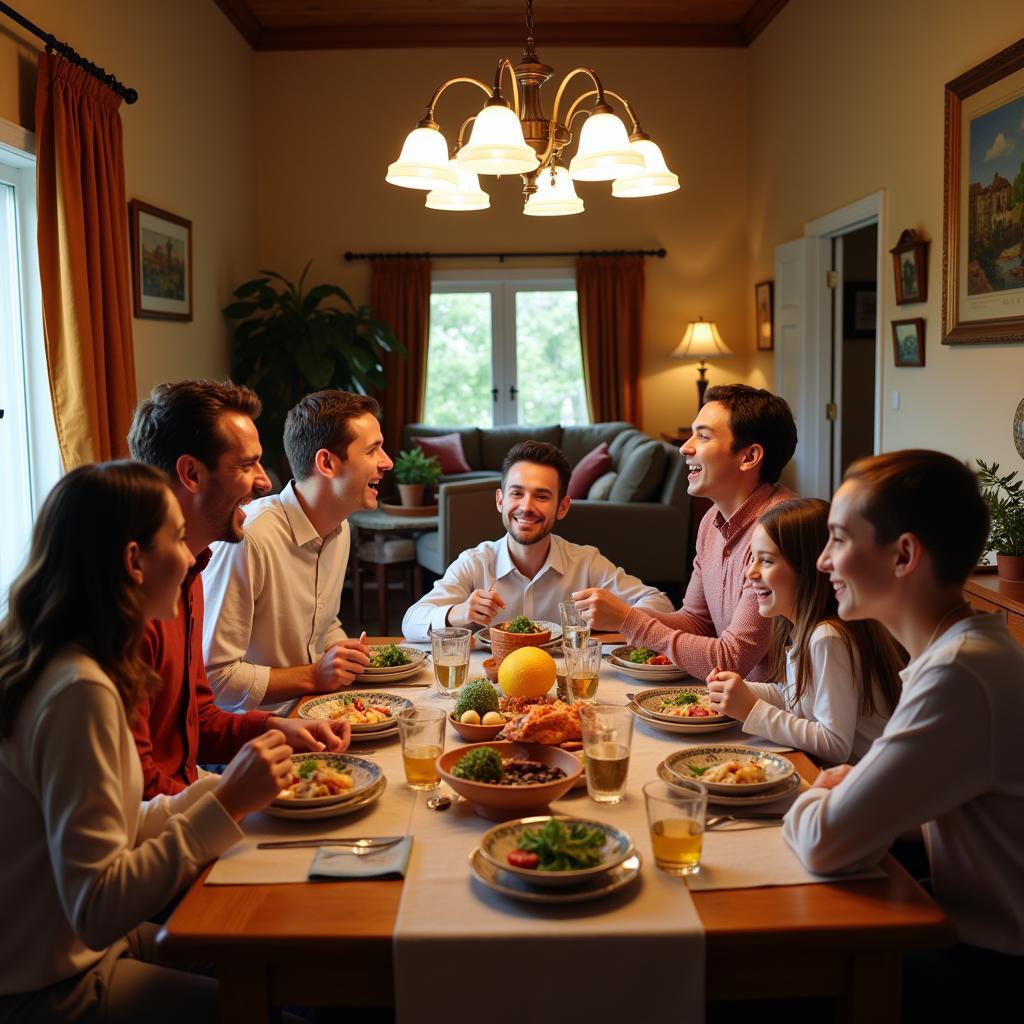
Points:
(423, 162)
(466, 195)
(555, 195)
(604, 152)
(496, 144)
(653, 179)
(701, 340)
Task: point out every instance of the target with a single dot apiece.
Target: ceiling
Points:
(354, 24)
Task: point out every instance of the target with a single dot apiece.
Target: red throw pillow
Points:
(588, 469)
(448, 449)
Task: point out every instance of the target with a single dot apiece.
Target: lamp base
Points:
(702, 384)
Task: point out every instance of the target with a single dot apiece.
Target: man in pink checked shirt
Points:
(742, 439)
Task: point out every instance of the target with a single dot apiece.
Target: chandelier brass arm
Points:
(428, 119)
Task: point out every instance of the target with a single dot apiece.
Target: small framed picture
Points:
(910, 267)
(908, 342)
(764, 311)
(859, 301)
(161, 263)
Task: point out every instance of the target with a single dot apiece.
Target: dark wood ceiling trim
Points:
(240, 15)
(756, 20)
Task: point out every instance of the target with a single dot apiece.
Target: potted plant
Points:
(415, 471)
(291, 341)
(1004, 496)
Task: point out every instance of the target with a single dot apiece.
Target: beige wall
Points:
(190, 145)
(847, 99)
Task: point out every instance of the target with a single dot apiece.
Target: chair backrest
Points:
(466, 516)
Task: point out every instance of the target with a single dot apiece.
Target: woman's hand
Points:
(601, 608)
(730, 695)
(831, 777)
(256, 774)
(301, 735)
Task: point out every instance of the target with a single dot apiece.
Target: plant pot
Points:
(411, 494)
(1010, 567)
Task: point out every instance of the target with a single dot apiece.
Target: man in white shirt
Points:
(529, 571)
(272, 631)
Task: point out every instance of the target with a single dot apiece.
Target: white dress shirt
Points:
(949, 759)
(271, 601)
(826, 722)
(569, 567)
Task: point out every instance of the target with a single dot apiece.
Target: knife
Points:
(366, 843)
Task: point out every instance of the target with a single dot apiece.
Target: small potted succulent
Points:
(1004, 496)
(415, 471)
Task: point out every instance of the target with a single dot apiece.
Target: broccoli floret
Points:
(306, 769)
(478, 696)
(481, 764)
(521, 624)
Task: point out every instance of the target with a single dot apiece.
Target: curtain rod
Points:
(70, 55)
(499, 256)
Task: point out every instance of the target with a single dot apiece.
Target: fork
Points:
(360, 847)
(762, 819)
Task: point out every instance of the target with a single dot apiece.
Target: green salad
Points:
(639, 655)
(521, 624)
(564, 849)
(388, 657)
(680, 700)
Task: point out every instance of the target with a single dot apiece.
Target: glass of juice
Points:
(575, 631)
(675, 816)
(422, 733)
(607, 738)
(450, 649)
(583, 665)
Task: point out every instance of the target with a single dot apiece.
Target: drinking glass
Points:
(422, 733)
(450, 649)
(607, 738)
(583, 665)
(675, 816)
(562, 691)
(575, 631)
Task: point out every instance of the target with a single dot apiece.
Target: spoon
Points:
(439, 803)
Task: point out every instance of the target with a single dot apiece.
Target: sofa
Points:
(637, 513)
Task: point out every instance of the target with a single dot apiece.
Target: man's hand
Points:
(256, 774)
(302, 735)
(480, 607)
(601, 608)
(340, 664)
(730, 695)
(831, 777)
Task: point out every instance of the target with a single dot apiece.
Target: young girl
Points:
(86, 861)
(841, 679)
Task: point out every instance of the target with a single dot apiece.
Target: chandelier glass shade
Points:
(466, 195)
(555, 195)
(423, 162)
(654, 179)
(604, 153)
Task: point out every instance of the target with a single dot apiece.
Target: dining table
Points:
(331, 943)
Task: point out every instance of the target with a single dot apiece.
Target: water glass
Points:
(607, 739)
(675, 816)
(422, 733)
(450, 649)
(575, 631)
(583, 665)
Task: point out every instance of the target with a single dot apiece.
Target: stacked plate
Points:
(647, 707)
(555, 643)
(652, 674)
(619, 865)
(333, 706)
(780, 776)
(368, 784)
(395, 673)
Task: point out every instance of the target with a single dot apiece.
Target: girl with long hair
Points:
(87, 861)
(841, 679)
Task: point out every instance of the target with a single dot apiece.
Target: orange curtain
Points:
(83, 261)
(611, 306)
(400, 297)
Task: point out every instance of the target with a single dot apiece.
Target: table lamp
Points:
(701, 340)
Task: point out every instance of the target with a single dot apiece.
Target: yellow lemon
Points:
(526, 672)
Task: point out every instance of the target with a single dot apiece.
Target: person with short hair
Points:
(273, 632)
(530, 570)
(742, 439)
(202, 434)
(905, 531)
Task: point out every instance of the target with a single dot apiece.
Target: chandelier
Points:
(517, 138)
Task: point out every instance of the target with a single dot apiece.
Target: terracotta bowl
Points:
(491, 670)
(503, 644)
(498, 803)
(474, 733)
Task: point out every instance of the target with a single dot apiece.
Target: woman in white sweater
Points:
(87, 861)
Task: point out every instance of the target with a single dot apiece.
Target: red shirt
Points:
(180, 724)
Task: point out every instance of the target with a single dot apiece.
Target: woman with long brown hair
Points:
(841, 679)
(89, 861)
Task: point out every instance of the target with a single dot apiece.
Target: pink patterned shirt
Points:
(719, 625)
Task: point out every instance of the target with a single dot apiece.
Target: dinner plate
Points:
(619, 657)
(650, 700)
(364, 775)
(414, 654)
(322, 707)
(498, 842)
(767, 796)
(390, 729)
(680, 725)
(335, 810)
(484, 636)
(507, 884)
(776, 768)
(382, 677)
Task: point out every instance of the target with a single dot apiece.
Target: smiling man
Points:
(529, 571)
(272, 633)
(742, 439)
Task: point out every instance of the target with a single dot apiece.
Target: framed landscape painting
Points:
(908, 342)
(161, 263)
(764, 307)
(983, 229)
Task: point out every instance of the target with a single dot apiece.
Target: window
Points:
(28, 441)
(504, 348)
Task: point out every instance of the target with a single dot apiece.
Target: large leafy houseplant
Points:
(291, 342)
(1004, 496)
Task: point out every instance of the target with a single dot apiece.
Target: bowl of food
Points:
(477, 716)
(728, 770)
(365, 711)
(507, 637)
(691, 704)
(507, 780)
(320, 779)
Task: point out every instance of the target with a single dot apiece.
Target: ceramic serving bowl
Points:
(474, 733)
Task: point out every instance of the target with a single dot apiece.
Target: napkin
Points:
(340, 862)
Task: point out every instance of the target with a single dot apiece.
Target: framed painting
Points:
(161, 263)
(983, 211)
(764, 312)
(908, 342)
(860, 299)
(910, 267)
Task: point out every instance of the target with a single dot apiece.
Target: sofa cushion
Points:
(470, 437)
(588, 469)
(448, 449)
(578, 441)
(602, 486)
(640, 473)
(496, 441)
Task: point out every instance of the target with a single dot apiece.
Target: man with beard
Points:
(529, 571)
(273, 632)
(202, 434)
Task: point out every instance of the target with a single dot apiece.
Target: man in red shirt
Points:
(202, 434)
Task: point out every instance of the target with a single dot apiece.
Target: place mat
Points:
(334, 862)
